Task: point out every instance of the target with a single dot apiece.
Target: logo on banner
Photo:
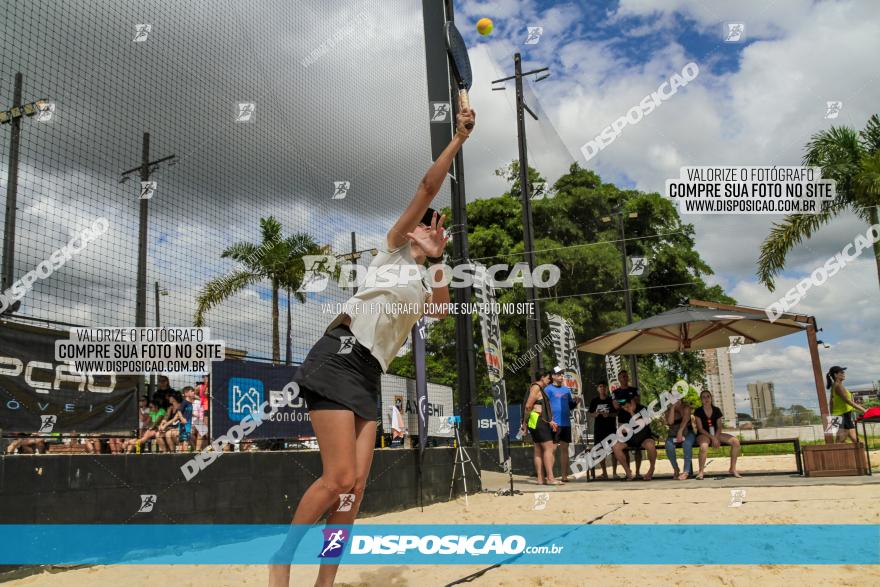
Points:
(493, 361)
(334, 542)
(245, 397)
(423, 409)
(572, 379)
(47, 423)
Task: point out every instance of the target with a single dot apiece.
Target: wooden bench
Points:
(794, 441)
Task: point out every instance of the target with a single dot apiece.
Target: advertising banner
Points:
(491, 329)
(40, 395)
(238, 388)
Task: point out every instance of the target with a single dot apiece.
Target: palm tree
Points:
(295, 247)
(277, 259)
(850, 158)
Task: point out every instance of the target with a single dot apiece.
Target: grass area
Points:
(760, 449)
(754, 450)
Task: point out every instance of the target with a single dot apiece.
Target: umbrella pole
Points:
(817, 375)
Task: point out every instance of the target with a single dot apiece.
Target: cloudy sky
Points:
(755, 102)
(326, 111)
(340, 94)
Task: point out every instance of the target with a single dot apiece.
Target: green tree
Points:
(777, 417)
(802, 415)
(850, 158)
(276, 259)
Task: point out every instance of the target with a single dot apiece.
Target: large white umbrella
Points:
(689, 328)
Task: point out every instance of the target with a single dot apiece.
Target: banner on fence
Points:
(238, 388)
(491, 330)
(40, 395)
(486, 422)
(438, 405)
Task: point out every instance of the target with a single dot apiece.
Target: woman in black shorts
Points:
(539, 421)
(339, 378)
(709, 421)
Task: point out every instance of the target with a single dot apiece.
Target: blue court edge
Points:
(423, 544)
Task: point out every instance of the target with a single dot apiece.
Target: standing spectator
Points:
(398, 426)
(162, 391)
(177, 428)
(204, 389)
(143, 415)
(681, 431)
(199, 424)
(604, 413)
(538, 417)
(842, 405)
(561, 404)
(185, 421)
(709, 419)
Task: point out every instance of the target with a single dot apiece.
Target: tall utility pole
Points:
(533, 323)
(356, 254)
(353, 259)
(13, 116)
(146, 166)
(618, 215)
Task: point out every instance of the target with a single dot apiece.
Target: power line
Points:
(620, 290)
(582, 245)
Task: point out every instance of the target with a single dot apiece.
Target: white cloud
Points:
(754, 104)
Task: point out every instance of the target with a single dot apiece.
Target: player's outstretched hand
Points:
(433, 240)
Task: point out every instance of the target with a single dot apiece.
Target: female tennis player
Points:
(339, 378)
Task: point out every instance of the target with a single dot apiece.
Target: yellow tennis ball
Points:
(484, 26)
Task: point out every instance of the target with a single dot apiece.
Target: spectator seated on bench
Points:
(681, 433)
(709, 418)
(628, 406)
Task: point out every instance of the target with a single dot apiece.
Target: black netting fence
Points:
(311, 113)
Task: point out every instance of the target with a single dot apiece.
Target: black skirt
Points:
(340, 369)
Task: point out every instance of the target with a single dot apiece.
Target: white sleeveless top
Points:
(382, 316)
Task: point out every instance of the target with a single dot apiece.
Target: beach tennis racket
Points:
(461, 66)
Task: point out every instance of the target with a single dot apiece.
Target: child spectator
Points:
(155, 416)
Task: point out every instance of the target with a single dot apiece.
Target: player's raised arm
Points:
(431, 182)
